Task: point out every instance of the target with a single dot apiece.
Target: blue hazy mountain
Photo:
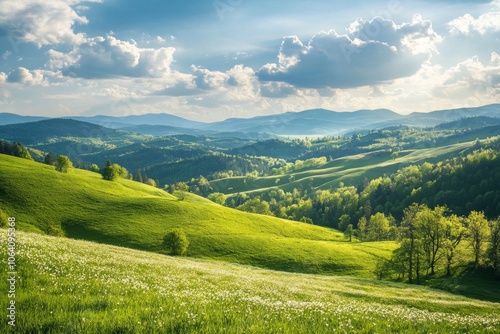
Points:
(303, 123)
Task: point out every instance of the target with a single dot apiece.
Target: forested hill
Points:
(56, 129)
(463, 183)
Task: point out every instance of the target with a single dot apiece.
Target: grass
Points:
(350, 170)
(134, 215)
(76, 286)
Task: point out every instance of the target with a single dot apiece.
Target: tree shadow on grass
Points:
(477, 283)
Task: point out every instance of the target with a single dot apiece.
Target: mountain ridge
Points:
(302, 123)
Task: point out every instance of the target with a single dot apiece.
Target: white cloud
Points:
(238, 83)
(24, 76)
(100, 58)
(41, 22)
(372, 52)
(473, 78)
(467, 24)
(206, 79)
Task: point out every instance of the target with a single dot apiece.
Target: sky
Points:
(216, 59)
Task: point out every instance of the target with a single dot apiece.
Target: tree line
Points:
(432, 239)
(463, 184)
(15, 149)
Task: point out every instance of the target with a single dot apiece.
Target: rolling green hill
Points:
(71, 286)
(134, 215)
(350, 170)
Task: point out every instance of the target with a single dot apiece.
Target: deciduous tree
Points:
(479, 232)
(63, 164)
(176, 242)
(378, 227)
(494, 249)
(453, 233)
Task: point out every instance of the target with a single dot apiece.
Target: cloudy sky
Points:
(215, 59)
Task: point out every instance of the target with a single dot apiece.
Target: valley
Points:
(280, 228)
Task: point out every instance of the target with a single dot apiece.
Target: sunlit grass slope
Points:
(350, 170)
(131, 214)
(71, 286)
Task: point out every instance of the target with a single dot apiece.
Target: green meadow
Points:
(107, 272)
(125, 213)
(72, 286)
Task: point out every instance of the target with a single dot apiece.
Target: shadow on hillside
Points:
(477, 283)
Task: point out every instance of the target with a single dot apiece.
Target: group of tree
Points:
(179, 190)
(430, 239)
(213, 165)
(15, 149)
(112, 172)
(139, 176)
(61, 162)
(465, 184)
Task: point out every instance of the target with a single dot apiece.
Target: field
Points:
(69, 286)
(350, 170)
(131, 214)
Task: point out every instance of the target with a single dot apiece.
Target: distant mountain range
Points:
(305, 123)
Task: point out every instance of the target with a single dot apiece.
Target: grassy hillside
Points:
(351, 170)
(69, 286)
(135, 215)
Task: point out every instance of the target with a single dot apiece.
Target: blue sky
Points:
(215, 59)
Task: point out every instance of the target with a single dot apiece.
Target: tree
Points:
(19, 150)
(382, 268)
(176, 242)
(179, 189)
(408, 252)
(362, 225)
(256, 205)
(94, 168)
(63, 164)
(138, 175)
(49, 159)
(453, 234)
(218, 198)
(151, 182)
(431, 229)
(307, 220)
(494, 249)
(344, 221)
(348, 232)
(378, 227)
(479, 232)
(122, 171)
(110, 172)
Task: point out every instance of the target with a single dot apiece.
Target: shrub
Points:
(176, 242)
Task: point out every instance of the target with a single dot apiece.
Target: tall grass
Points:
(69, 286)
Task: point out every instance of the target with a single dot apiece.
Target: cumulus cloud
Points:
(371, 52)
(207, 79)
(24, 76)
(467, 24)
(105, 57)
(474, 76)
(236, 83)
(41, 22)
